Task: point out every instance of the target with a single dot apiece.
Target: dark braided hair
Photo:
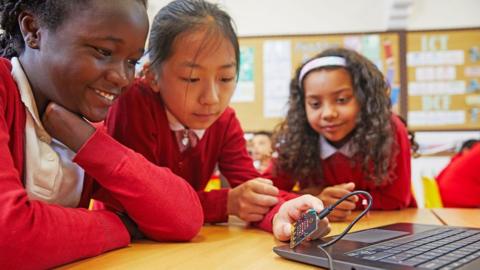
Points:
(51, 14)
(298, 143)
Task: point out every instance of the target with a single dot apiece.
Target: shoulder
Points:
(6, 77)
(5, 65)
(5, 71)
(398, 125)
(139, 97)
(227, 126)
(227, 118)
(473, 156)
(401, 137)
(139, 90)
(137, 102)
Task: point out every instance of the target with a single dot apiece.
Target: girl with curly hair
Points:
(340, 135)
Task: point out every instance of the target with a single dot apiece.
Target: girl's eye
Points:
(342, 100)
(133, 62)
(314, 105)
(189, 80)
(103, 52)
(227, 79)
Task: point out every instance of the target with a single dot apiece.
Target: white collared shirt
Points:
(327, 150)
(50, 174)
(175, 125)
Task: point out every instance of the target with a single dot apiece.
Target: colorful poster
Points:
(245, 91)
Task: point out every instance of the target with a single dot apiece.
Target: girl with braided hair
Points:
(340, 135)
(63, 64)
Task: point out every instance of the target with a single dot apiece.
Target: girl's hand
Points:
(67, 127)
(331, 194)
(252, 200)
(291, 211)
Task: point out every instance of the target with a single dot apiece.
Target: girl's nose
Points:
(210, 94)
(329, 112)
(118, 76)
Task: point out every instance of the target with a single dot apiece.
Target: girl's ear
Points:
(30, 29)
(150, 77)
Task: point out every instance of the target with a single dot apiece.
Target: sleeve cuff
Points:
(214, 204)
(101, 153)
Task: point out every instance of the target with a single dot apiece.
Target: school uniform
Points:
(459, 182)
(338, 168)
(37, 233)
(140, 121)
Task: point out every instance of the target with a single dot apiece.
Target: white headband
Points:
(325, 61)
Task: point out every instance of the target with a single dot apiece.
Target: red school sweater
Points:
(37, 235)
(459, 182)
(338, 169)
(138, 119)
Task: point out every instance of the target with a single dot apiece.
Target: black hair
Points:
(468, 144)
(181, 16)
(263, 132)
(298, 143)
(51, 14)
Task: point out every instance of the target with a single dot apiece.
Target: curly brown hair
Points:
(298, 143)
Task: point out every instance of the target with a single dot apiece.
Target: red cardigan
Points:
(459, 182)
(337, 169)
(138, 120)
(34, 234)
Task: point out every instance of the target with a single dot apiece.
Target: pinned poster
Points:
(353, 43)
(371, 47)
(395, 98)
(474, 54)
(277, 66)
(435, 118)
(473, 71)
(388, 52)
(245, 91)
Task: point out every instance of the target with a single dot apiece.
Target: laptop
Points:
(396, 246)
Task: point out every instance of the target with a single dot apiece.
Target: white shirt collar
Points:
(327, 150)
(26, 95)
(175, 125)
(50, 174)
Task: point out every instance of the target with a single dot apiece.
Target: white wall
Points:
(434, 14)
(284, 17)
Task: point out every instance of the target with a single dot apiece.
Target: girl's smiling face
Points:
(87, 61)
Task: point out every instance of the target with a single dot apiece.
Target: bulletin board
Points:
(268, 64)
(444, 79)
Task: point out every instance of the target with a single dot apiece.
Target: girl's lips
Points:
(331, 127)
(204, 117)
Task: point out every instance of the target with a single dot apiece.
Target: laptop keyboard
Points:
(444, 248)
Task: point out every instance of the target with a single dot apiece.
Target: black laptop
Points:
(395, 246)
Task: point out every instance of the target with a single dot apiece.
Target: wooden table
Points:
(458, 216)
(229, 247)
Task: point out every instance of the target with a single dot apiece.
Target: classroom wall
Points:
(286, 17)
